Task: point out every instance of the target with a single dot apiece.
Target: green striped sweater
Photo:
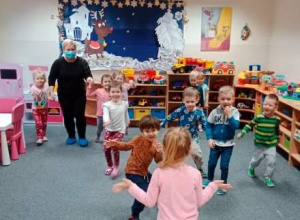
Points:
(266, 130)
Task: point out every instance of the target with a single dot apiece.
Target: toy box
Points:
(287, 143)
(11, 84)
(131, 113)
(158, 113)
(140, 112)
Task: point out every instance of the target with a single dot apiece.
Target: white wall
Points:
(28, 35)
(255, 50)
(284, 54)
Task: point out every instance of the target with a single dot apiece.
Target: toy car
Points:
(223, 68)
(176, 98)
(179, 85)
(143, 102)
(159, 80)
(242, 105)
(143, 78)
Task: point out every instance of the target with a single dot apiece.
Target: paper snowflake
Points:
(90, 2)
(120, 5)
(74, 2)
(156, 3)
(113, 2)
(134, 3)
(142, 3)
(104, 4)
(149, 4)
(82, 1)
(163, 6)
(96, 2)
(178, 4)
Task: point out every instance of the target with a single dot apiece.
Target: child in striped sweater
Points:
(266, 137)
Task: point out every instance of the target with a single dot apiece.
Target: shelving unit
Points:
(289, 112)
(214, 82)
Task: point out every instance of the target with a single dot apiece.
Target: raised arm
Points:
(171, 117)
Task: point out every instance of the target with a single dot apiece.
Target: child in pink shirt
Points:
(102, 96)
(120, 77)
(40, 93)
(176, 187)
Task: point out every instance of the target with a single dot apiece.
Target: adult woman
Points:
(71, 72)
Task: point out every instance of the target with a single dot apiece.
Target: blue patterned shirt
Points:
(189, 120)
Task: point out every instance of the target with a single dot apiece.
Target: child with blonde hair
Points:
(266, 137)
(40, 92)
(175, 187)
(190, 117)
(115, 121)
(120, 77)
(220, 131)
(102, 96)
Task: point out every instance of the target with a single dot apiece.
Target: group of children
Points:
(178, 143)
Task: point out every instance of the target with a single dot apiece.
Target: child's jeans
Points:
(99, 126)
(40, 118)
(263, 152)
(143, 183)
(112, 135)
(196, 153)
(215, 153)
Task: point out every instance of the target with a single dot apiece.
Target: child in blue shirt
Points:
(220, 131)
(190, 117)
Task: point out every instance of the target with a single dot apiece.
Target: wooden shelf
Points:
(244, 121)
(283, 148)
(285, 131)
(297, 140)
(213, 103)
(151, 85)
(146, 96)
(296, 157)
(220, 75)
(175, 90)
(245, 99)
(213, 91)
(174, 102)
(246, 110)
(298, 124)
(283, 116)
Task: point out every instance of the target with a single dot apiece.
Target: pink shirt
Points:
(102, 96)
(40, 96)
(125, 88)
(177, 191)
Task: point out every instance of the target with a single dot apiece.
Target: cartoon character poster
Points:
(216, 28)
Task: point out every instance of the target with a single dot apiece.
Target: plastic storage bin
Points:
(158, 113)
(131, 113)
(140, 112)
(287, 143)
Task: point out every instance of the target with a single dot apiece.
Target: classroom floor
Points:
(56, 181)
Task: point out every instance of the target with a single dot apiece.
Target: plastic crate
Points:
(140, 112)
(131, 113)
(287, 143)
(158, 113)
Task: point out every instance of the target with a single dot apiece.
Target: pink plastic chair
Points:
(7, 104)
(15, 135)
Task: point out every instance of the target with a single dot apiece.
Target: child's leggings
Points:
(112, 135)
(40, 118)
(196, 153)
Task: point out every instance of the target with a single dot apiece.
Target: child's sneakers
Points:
(251, 173)
(108, 171)
(203, 174)
(97, 140)
(205, 183)
(39, 142)
(221, 192)
(45, 139)
(116, 171)
(269, 183)
(131, 217)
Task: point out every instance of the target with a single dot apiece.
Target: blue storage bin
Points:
(131, 113)
(158, 113)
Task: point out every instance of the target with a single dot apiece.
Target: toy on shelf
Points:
(179, 85)
(279, 80)
(143, 102)
(242, 95)
(138, 91)
(145, 76)
(297, 94)
(156, 92)
(188, 64)
(252, 77)
(158, 104)
(225, 67)
(297, 134)
(242, 105)
(159, 80)
(128, 72)
(267, 82)
(286, 124)
(176, 97)
(287, 90)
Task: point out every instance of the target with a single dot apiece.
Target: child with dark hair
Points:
(143, 148)
(102, 96)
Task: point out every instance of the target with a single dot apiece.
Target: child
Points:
(175, 186)
(102, 95)
(40, 93)
(190, 117)
(115, 121)
(220, 130)
(120, 77)
(266, 137)
(197, 79)
(143, 148)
